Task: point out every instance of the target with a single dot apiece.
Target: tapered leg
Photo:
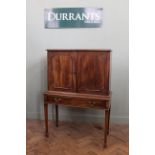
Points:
(56, 112)
(46, 118)
(106, 128)
(108, 120)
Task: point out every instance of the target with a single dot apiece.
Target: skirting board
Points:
(80, 118)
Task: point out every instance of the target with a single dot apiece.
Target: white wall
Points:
(113, 35)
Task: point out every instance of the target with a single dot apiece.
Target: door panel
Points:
(92, 75)
(61, 71)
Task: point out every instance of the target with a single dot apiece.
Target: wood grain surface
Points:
(75, 139)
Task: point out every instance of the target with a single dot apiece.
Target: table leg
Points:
(46, 118)
(108, 120)
(106, 127)
(56, 112)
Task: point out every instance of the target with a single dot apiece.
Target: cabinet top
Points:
(79, 50)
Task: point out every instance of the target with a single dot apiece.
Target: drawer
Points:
(83, 103)
(77, 102)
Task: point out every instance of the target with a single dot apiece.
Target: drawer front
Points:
(84, 103)
(77, 102)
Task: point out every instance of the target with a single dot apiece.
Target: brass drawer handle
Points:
(59, 99)
(92, 102)
(56, 99)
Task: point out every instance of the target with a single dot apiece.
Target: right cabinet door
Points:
(93, 72)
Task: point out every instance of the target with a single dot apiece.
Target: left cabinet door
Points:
(61, 71)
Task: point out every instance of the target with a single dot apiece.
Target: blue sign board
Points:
(73, 18)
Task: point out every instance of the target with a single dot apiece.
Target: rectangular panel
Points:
(61, 71)
(93, 72)
(73, 17)
(76, 102)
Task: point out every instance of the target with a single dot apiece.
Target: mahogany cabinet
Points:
(78, 78)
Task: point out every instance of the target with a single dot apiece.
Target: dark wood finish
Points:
(61, 71)
(77, 100)
(79, 78)
(92, 72)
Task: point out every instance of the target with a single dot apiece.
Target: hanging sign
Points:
(73, 17)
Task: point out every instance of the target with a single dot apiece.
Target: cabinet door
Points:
(61, 70)
(93, 72)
